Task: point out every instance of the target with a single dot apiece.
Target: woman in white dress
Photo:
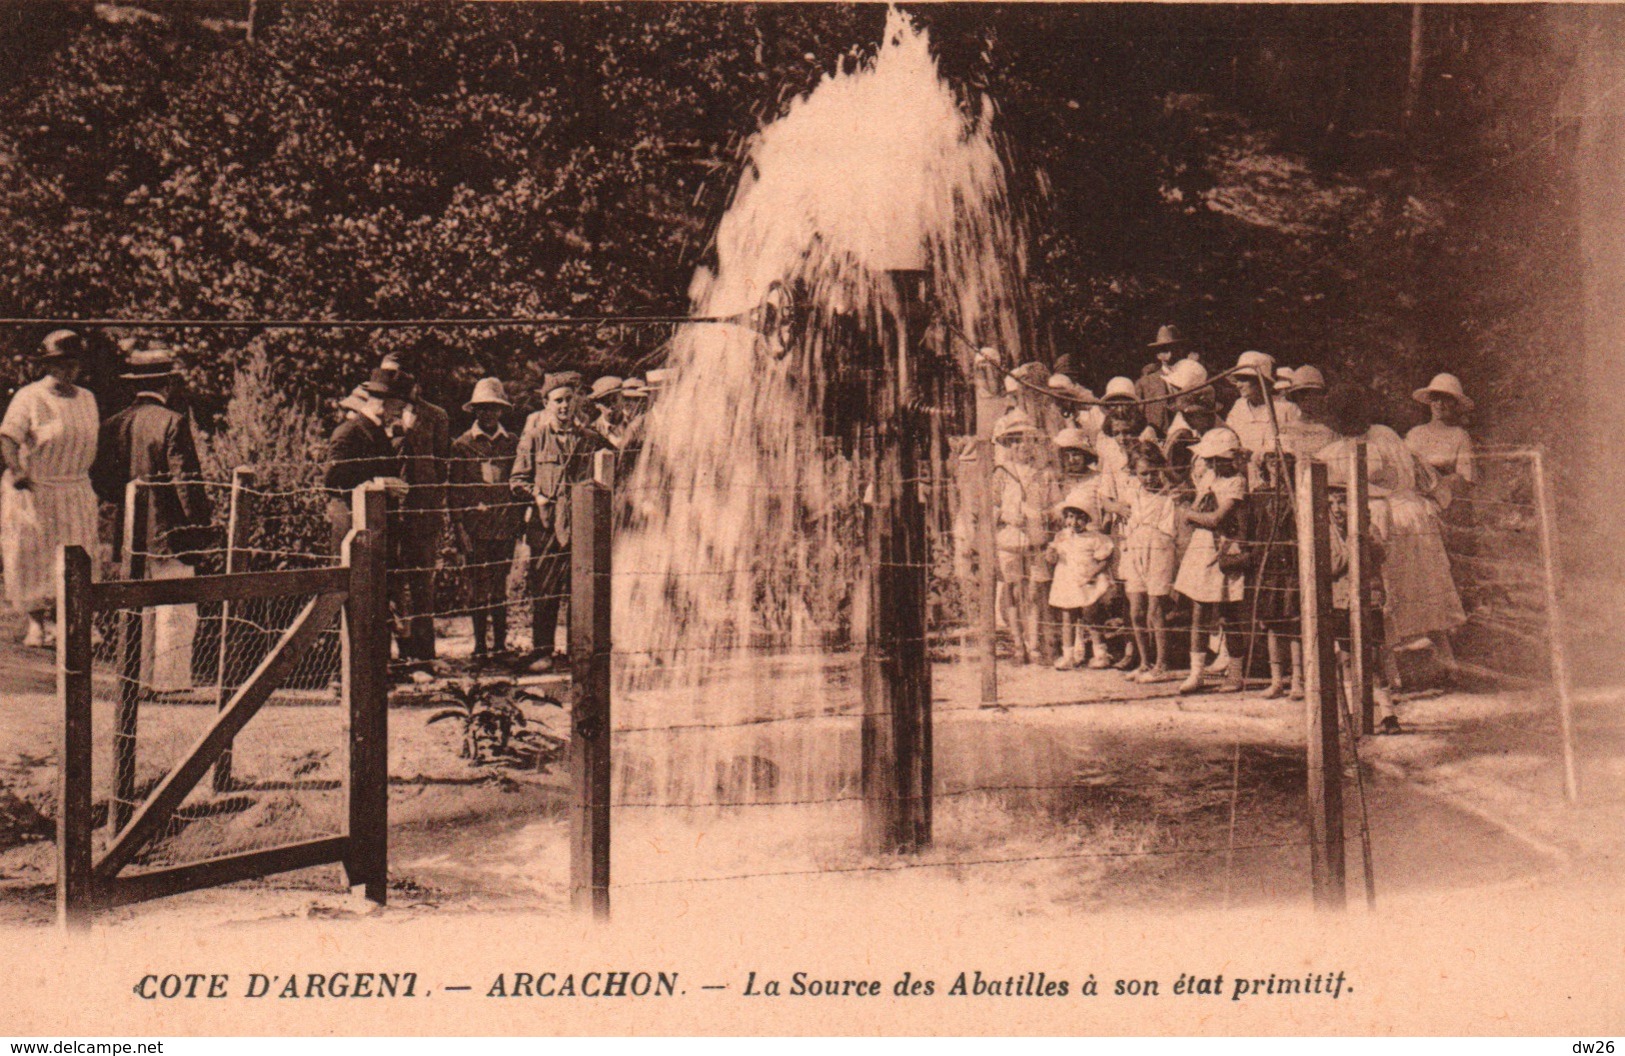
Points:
(48, 442)
(1441, 442)
(1421, 597)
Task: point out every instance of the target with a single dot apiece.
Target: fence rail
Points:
(1499, 542)
(146, 817)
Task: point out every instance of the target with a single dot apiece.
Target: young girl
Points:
(1150, 556)
(1216, 595)
(1082, 581)
(1342, 604)
(1275, 603)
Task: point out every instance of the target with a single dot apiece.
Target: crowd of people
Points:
(474, 496)
(471, 497)
(1118, 516)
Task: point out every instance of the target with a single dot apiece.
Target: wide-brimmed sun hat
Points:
(606, 386)
(488, 392)
(1283, 378)
(1444, 385)
(1307, 378)
(1260, 363)
(62, 344)
(1064, 387)
(1119, 388)
(1186, 375)
(150, 364)
(1167, 337)
(1073, 439)
(657, 379)
(1013, 424)
(1221, 442)
(634, 389)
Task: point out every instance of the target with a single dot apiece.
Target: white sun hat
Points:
(1219, 442)
(1444, 385)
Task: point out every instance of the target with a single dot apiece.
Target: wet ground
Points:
(1081, 792)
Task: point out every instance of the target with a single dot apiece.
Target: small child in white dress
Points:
(1082, 582)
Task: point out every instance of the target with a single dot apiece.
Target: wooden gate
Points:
(352, 592)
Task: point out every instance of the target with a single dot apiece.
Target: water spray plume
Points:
(741, 524)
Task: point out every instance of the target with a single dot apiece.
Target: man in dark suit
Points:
(361, 448)
(424, 443)
(152, 442)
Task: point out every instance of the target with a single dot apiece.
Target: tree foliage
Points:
(1243, 172)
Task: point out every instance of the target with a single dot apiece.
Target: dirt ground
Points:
(1082, 791)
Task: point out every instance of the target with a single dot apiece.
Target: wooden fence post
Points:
(1359, 527)
(1325, 758)
(1557, 630)
(591, 540)
(74, 880)
(231, 668)
(366, 695)
(133, 663)
(896, 736)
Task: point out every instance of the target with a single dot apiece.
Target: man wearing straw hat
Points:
(555, 451)
(151, 442)
(487, 516)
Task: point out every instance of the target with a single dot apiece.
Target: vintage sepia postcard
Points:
(818, 518)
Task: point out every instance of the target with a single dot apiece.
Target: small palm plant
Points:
(490, 715)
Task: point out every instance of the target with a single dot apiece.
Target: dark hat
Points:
(390, 384)
(559, 380)
(62, 344)
(1167, 337)
(152, 364)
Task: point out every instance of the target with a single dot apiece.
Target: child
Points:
(1216, 593)
(1150, 556)
(1081, 582)
(1342, 599)
(1275, 604)
(484, 511)
(1019, 535)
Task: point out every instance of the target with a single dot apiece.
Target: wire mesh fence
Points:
(160, 684)
(747, 719)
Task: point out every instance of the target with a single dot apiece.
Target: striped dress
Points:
(56, 436)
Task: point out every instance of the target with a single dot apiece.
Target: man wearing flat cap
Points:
(555, 451)
(424, 443)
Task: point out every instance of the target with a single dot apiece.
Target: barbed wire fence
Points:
(769, 724)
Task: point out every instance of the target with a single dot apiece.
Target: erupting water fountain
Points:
(773, 531)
